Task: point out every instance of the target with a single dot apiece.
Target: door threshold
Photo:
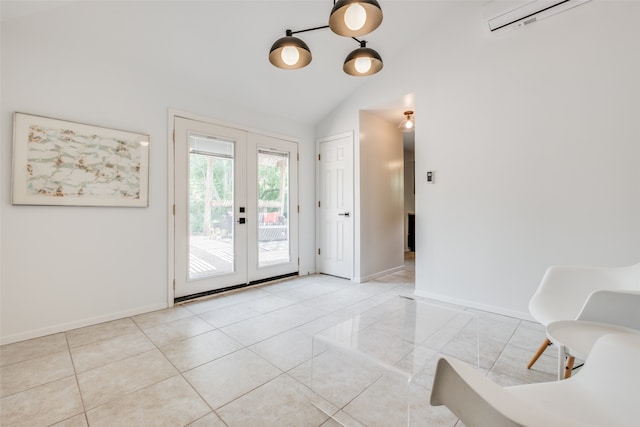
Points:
(205, 294)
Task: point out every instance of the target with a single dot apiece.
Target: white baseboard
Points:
(475, 305)
(63, 327)
(378, 274)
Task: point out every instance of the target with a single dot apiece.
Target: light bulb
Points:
(290, 55)
(355, 17)
(363, 64)
(409, 124)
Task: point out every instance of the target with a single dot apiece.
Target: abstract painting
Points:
(57, 162)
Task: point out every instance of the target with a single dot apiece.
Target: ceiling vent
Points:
(503, 15)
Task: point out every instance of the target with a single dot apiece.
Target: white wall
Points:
(65, 267)
(381, 203)
(535, 141)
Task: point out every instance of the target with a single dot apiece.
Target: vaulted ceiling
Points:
(219, 49)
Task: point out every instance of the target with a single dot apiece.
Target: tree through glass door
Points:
(273, 208)
(211, 206)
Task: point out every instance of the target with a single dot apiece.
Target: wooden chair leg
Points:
(541, 350)
(569, 368)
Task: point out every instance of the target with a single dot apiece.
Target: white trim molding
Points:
(475, 305)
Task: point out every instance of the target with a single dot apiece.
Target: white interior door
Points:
(210, 206)
(236, 207)
(336, 216)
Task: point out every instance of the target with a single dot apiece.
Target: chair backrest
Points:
(606, 386)
(479, 402)
(466, 401)
(615, 307)
(564, 290)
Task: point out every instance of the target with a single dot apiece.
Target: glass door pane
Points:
(273, 208)
(211, 206)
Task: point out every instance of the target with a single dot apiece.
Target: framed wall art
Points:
(57, 162)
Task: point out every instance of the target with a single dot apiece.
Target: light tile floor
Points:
(237, 359)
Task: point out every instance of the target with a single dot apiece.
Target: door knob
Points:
(344, 214)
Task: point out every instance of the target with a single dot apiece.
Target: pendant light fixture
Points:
(362, 61)
(354, 18)
(290, 53)
(348, 18)
(408, 124)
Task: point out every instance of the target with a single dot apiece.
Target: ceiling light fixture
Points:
(362, 61)
(348, 18)
(408, 124)
(290, 53)
(353, 18)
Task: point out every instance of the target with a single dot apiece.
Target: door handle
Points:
(344, 214)
(241, 220)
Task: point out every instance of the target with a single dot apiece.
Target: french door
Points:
(236, 214)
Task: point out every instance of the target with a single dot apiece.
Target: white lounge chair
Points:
(604, 393)
(564, 291)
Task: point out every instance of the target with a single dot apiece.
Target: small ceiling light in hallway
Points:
(408, 124)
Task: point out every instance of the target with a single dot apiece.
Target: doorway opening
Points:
(409, 192)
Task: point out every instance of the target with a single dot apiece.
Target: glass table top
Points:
(379, 364)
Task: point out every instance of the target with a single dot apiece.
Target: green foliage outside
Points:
(269, 187)
(221, 189)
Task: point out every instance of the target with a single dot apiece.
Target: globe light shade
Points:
(290, 53)
(408, 123)
(354, 18)
(362, 61)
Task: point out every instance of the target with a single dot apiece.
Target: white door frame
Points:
(171, 199)
(355, 214)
